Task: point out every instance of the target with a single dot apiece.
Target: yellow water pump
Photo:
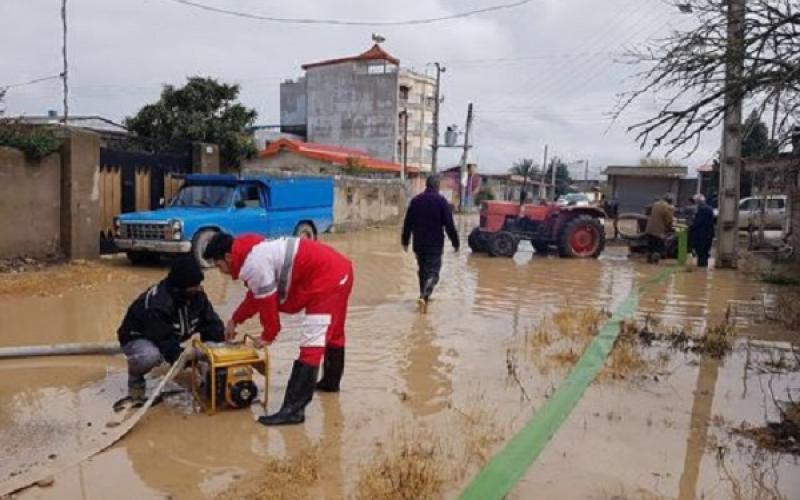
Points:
(229, 380)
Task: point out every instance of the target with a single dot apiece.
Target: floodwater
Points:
(464, 372)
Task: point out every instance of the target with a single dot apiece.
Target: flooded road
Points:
(462, 378)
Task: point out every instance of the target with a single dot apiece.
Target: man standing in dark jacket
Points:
(701, 230)
(164, 316)
(427, 214)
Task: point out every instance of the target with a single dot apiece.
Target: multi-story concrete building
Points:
(360, 102)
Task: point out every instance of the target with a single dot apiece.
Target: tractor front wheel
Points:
(477, 241)
(503, 244)
(582, 237)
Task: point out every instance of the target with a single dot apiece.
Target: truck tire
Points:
(503, 244)
(199, 244)
(582, 237)
(477, 241)
(139, 258)
(306, 231)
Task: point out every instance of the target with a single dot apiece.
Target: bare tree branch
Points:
(686, 72)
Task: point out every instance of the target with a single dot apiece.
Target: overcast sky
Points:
(543, 73)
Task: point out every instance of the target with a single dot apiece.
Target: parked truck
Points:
(207, 204)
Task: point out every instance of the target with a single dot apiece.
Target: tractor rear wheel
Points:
(503, 244)
(582, 237)
(477, 241)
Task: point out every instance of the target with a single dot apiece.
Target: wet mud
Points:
(426, 399)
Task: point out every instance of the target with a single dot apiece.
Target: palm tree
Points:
(525, 168)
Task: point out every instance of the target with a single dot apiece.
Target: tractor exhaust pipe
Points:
(85, 348)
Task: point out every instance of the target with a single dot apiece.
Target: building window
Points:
(404, 93)
(376, 69)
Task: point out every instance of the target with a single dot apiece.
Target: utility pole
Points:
(435, 145)
(463, 166)
(586, 174)
(553, 175)
(405, 145)
(731, 156)
(65, 73)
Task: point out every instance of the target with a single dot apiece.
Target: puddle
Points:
(627, 438)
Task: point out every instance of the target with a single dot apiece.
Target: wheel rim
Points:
(584, 240)
(503, 245)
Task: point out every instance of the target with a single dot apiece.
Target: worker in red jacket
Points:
(291, 275)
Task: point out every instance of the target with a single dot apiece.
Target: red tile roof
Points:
(375, 53)
(334, 154)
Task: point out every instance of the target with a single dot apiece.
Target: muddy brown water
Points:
(633, 438)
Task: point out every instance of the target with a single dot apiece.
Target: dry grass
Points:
(412, 468)
(578, 324)
(278, 479)
(477, 430)
(421, 463)
(558, 340)
(567, 357)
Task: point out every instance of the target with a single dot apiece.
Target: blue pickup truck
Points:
(206, 204)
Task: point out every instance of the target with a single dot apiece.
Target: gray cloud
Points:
(548, 74)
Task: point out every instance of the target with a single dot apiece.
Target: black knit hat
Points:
(184, 273)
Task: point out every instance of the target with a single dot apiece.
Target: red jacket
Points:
(283, 275)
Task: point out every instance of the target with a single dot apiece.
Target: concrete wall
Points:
(420, 104)
(293, 106)
(362, 203)
(30, 205)
(287, 161)
(80, 194)
(351, 108)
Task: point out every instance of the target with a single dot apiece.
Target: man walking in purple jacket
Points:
(427, 215)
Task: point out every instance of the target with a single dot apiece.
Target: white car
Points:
(750, 212)
(573, 200)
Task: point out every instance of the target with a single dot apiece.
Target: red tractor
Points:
(576, 231)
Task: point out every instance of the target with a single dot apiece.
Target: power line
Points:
(527, 58)
(31, 82)
(342, 22)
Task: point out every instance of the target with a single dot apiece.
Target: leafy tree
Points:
(525, 168)
(756, 142)
(202, 110)
(563, 179)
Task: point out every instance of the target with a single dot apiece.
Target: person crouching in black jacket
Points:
(164, 316)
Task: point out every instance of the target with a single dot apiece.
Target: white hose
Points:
(60, 350)
(32, 477)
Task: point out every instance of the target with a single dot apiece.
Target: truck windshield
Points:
(204, 196)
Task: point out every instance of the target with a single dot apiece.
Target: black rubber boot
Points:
(299, 392)
(333, 367)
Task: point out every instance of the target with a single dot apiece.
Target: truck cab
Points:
(207, 204)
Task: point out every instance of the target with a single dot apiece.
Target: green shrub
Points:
(485, 194)
(35, 142)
